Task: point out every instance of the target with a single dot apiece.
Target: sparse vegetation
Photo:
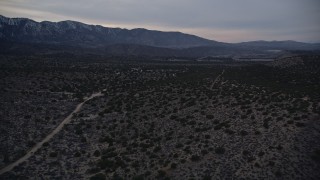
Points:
(160, 119)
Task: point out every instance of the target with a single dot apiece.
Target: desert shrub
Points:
(229, 131)
(220, 150)
(99, 176)
(77, 154)
(93, 170)
(161, 173)
(279, 118)
(116, 177)
(204, 152)
(138, 177)
(106, 163)
(316, 156)
(31, 143)
(245, 152)
(53, 154)
(83, 139)
(271, 163)
(173, 166)
(279, 147)
(96, 153)
(45, 144)
(193, 122)
(257, 165)
(257, 132)
(209, 116)
(300, 124)
(243, 133)
(195, 158)
(179, 145)
(27, 116)
(261, 153)
(173, 117)
(290, 122)
(157, 148)
(244, 116)
(218, 127)
(207, 177)
(266, 124)
(216, 121)
(278, 173)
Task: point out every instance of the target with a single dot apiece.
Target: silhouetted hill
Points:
(76, 33)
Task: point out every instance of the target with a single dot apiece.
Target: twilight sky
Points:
(221, 20)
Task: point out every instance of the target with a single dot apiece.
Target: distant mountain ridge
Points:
(72, 32)
(22, 34)
(273, 45)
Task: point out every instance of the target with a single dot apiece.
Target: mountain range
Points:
(22, 34)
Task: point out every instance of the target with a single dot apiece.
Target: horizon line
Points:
(174, 31)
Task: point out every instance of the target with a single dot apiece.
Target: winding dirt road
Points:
(216, 80)
(48, 137)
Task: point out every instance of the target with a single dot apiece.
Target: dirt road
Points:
(48, 137)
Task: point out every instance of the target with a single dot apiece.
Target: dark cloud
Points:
(262, 19)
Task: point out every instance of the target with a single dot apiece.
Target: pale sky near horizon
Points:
(221, 20)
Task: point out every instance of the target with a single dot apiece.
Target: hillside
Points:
(77, 33)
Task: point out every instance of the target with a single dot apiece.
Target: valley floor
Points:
(159, 120)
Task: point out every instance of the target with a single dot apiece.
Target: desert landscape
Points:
(144, 90)
(162, 119)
